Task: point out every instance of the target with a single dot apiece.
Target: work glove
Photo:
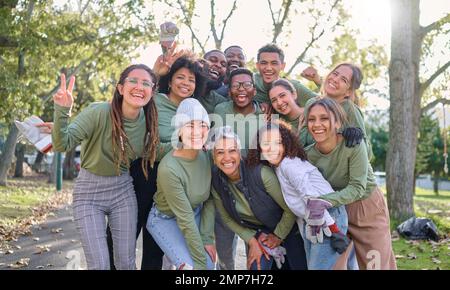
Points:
(352, 136)
(315, 211)
(339, 242)
(315, 232)
(277, 253)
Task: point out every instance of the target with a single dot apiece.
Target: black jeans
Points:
(144, 189)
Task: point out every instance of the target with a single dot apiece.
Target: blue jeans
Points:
(322, 256)
(168, 236)
(265, 264)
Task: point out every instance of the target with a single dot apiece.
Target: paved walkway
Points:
(55, 244)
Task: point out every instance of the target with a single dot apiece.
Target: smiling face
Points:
(283, 100)
(182, 84)
(227, 157)
(322, 124)
(217, 65)
(272, 148)
(270, 66)
(194, 134)
(137, 89)
(338, 83)
(235, 58)
(240, 90)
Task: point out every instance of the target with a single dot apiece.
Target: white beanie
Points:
(189, 110)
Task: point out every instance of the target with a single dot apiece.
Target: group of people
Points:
(200, 150)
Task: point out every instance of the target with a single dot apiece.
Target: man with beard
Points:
(235, 59)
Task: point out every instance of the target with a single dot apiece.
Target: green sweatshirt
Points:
(211, 100)
(92, 128)
(183, 185)
(245, 127)
(272, 187)
(166, 111)
(347, 170)
(262, 92)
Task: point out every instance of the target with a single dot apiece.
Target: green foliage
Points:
(379, 138)
(96, 41)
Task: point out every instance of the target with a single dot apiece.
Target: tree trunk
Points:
(20, 158)
(69, 165)
(8, 153)
(38, 161)
(436, 183)
(404, 107)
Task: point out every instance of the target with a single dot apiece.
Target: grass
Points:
(21, 196)
(417, 255)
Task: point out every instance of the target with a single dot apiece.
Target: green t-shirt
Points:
(92, 129)
(182, 186)
(166, 111)
(273, 188)
(347, 170)
(211, 100)
(262, 92)
(246, 127)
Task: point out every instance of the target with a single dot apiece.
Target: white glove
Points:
(277, 253)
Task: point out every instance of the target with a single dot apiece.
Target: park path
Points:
(55, 245)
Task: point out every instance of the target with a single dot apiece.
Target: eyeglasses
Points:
(135, 81)
(245, 85)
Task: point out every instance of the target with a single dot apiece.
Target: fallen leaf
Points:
(411, 256)
(56, 231)
(49, 265)
(9, 252)
(40, 267)
(436, 261)
(399, 256)
(36, 239)
(20, 264)
(73, 241)
(42, 249)
(17, 247)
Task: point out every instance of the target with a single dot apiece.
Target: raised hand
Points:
(310, 73)
(164, 62)
(63, 96)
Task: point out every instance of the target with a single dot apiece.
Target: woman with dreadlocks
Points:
(112, 135)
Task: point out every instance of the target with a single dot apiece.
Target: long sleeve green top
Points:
(246, 127)
(182, 186)
(166, 111)
(347, 170)
(262, 92)
(273, 188)
(211, 100)
(92, 129)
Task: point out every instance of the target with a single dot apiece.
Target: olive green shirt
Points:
(262, 92)
(246, 127)
(273, 188)
(182, 186)
(92, 129)
(211, 100)
(347, 170)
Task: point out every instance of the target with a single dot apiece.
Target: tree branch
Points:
(435, 25)
(432, 104)
(212, 22)
(225, 21)
(188, 22)
(428, 82)
(278, 24)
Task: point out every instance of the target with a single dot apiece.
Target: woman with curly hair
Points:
(301, 182)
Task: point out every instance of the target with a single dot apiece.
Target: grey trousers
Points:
(226, 241)
(96, 198)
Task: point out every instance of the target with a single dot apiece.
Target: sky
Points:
(250, 27)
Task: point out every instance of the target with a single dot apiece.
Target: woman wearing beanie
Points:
(182, 217)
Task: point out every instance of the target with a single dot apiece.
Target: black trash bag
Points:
(418, 229)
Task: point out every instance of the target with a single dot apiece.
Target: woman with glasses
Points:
(112, 135)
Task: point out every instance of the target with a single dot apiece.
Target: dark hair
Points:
(356, 80)
(193, 66)
(332, 107)
(212, 51)
(233, 46)
(289, 140)
(240, 71)
(285, 84)
(120, 141)
(271, 47)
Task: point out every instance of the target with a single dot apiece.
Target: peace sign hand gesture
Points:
(63, 96)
